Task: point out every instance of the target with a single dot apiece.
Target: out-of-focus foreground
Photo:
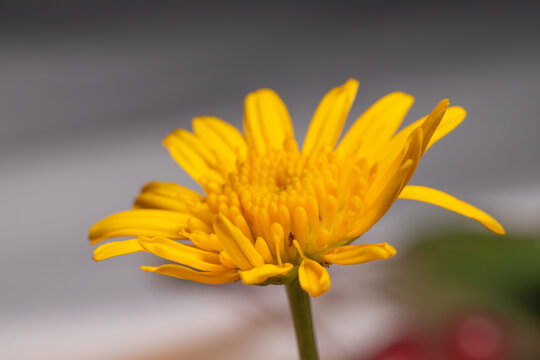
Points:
(88, 90)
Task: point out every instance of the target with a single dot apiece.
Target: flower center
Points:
(283, 195)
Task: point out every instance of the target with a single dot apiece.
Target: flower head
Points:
(271, 211)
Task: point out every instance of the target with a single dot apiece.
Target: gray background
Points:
(89, 89)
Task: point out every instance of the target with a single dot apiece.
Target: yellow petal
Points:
(444, 200)
(226, 260)
(432, 122)
(182, 253)
(171, 190)
(117, 248)
(205, 277)
(264, 250)
(193, 155)
(428, 126)
(167, 196)
(387, 169)
(377, 125)
(238, 247)
(157, 201)
(453, 116)
(314, 278)
(383, 202)
(224, 138)
(260, 274)
(267, 123)
(144, 222)
(330, 116)
(358, 254)
(300, 225)
(204, 241)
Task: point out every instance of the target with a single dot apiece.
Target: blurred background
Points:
(88, 89)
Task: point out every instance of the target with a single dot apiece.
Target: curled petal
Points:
(117, 248)
(384, 201)
(264, 250)
(157, 201)
(432, 122)
(262, 273)
(358, 254)
(182, 253)
(238, 247)
(314, 278)
(205, 277)
(171, 190)
(411, 150)
(166, 196)
(204, 241)
(140, 222)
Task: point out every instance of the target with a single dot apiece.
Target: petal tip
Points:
(313, 278)
(391, 251)
(402, 94)
(260, 92)
(460, 109)
(352, 83)
(497, 228)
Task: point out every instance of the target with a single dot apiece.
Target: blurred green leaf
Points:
(499, 271)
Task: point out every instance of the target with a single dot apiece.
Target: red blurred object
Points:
(471, 337)
(407, 349)
(477, 337)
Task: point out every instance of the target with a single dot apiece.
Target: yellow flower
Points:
(270, 211)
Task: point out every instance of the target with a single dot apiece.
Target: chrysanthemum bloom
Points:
(270, 211)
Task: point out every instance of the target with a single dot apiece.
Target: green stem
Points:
(299, 303)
